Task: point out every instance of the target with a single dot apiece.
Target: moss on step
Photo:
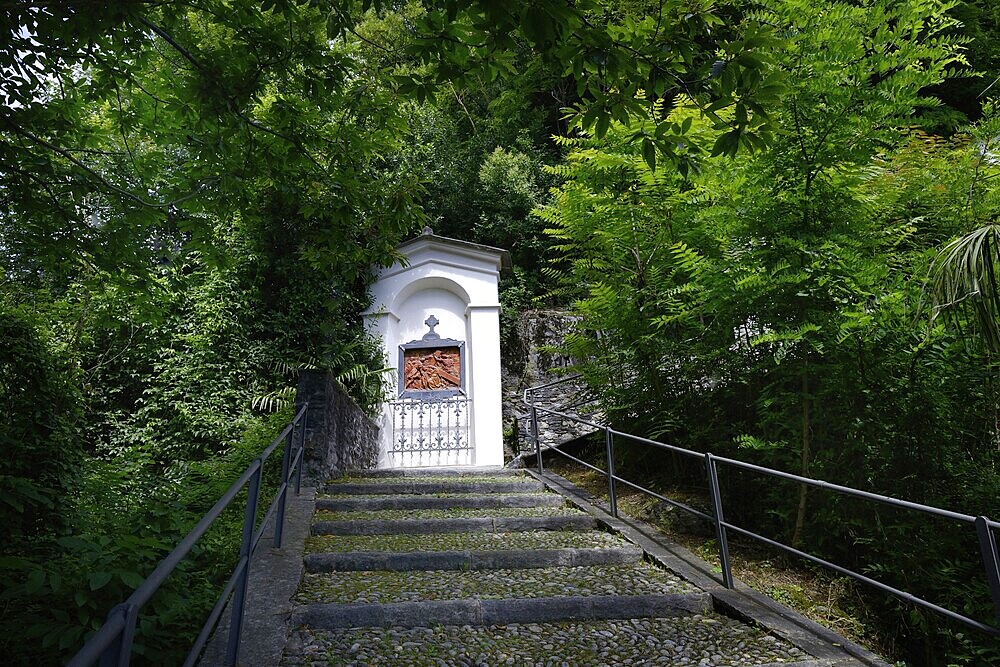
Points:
(707, 639)
(537, 539)
(456, 496)
(451, 513)
(416, 586)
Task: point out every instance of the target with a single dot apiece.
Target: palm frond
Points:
(963, 281)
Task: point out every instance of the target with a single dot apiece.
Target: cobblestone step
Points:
(501, 612)
(438, 472)
(471, 559)
(368, 587)
(359, 478)
(455, 567)
(460, 485)
(448, 513)
(444, 501)
(461, 525)
(398, 543)
(679, 641)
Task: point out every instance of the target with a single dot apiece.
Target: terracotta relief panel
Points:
(429, 369)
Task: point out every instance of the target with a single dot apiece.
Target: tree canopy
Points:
(776, 220)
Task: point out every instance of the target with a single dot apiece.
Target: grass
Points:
(832, 601)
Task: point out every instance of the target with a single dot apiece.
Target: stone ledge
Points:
(458, 471)
(459, 485)
(274, 578)
(436, 502)
(502, 612)
(458, 525)
(470, 560)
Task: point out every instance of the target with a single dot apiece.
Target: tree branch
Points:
(187, 55)
(20, 131)
(165, 36)
(26, 134)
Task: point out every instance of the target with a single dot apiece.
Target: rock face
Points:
(534, 358)
(339, 436)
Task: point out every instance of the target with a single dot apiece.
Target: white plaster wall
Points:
(487, 426)
(446, 306)
(459, 287)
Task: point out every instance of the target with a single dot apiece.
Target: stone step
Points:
(459, 525)
(471, 559)
(404, 543)
(391, 487)
(448, 513)
(438, 472)
(328, 616)
(381, 587)
(458, 479)
(444, 501)
(701, 639)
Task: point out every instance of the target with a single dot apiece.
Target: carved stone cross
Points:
(431, 322)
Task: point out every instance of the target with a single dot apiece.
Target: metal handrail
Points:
(983, 525)
(111, 645)
(531, 390)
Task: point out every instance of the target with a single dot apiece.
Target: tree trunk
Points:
(800, 515)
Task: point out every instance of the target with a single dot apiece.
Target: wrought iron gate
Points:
(430, 432)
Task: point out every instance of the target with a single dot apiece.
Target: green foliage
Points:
(765, 307)
(60, 591)
(193, 200)
(39, 434)
(964, 277)
(622, 60)
(510, 187)
(194, 196)
(980, 22)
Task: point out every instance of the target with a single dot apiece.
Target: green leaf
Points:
(649, 153)
(130, 579)
(726, 144)
(34, 582)
(99, 579)
(603, 123)
(14, 563)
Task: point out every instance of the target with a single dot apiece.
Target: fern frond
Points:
(274, 401)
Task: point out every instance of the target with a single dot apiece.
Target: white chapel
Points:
(438, 315)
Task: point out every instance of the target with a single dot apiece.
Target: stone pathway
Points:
(450, 567)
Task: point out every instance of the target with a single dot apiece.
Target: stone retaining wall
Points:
(540, 334)
(339, 435)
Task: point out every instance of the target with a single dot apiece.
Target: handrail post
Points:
(282, 499)
(302, 446)
(534, 435)
(991, 560)
(609, 443)
(240, 593)
(720, 529)
(119, 652)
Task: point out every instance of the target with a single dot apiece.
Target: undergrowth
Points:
(835, 602)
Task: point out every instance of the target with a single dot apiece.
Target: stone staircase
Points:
(461, 567)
